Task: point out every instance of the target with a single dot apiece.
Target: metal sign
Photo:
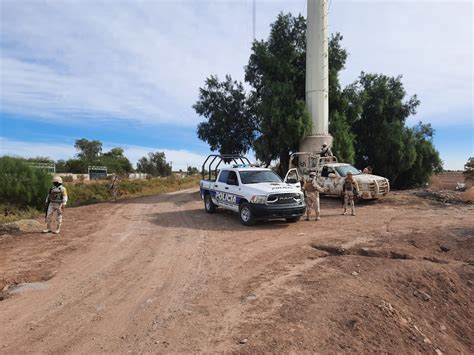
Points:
(97, 172)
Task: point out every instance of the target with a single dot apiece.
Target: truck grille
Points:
(283, 199)
(382, 187)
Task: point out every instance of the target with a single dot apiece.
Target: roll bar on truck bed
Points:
(209, 168)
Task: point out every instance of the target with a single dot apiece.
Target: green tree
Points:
(427, 160)
(341, 103)
(116, 161)
(469, 166)
(230, 126)
(155, 165)
(88, 149)
(77, 166)
(469, 169)
(406, 156)
(61, 166)
(21, 184)
(276, 73)
(192, 170)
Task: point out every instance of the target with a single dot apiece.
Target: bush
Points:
(22, 185)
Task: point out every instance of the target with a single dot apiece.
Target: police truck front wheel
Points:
(209, 205)
(245, 213)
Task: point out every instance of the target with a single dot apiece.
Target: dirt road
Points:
(158, 274)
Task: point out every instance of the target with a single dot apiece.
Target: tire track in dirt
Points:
(105, 299)
(160, 275)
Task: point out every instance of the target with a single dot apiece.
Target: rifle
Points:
(47, 206)
(46, 210)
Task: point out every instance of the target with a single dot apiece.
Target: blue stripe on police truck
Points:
(224, 197)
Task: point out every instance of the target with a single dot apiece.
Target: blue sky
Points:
(128, 72)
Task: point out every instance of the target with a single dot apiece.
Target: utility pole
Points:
(317, 76)
(254, 17)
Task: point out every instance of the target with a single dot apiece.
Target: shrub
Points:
(22, 185)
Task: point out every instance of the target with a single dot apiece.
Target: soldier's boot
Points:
(58, 229)
(353, 208)
(344, 212)
(318, 218)
(307, 217)
(48, 228)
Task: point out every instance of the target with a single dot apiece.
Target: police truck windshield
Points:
(344, 169)
(255, 177)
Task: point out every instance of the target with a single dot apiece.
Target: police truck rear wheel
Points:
(246, 216)
(209, 205)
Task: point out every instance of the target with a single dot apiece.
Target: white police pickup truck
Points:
(255, 193)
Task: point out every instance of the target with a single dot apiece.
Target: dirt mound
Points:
(446, 196)
(24, 225)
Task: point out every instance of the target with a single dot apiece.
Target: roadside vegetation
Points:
(23, 189)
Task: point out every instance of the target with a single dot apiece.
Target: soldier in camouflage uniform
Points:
(114, 187)
(326, 150)
(56, 200)
(348, 190)
(312, 189)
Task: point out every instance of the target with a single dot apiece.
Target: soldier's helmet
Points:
(57, 179)
(312, 174)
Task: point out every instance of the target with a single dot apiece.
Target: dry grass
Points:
(435, 183)
(468, 195)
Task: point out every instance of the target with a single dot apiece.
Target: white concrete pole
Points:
(317, 78)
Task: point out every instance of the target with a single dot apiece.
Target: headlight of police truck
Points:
(258, 199)
(300, 197)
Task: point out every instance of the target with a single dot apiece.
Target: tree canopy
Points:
(230, 126)
(367, 118)
(155, 164)
(88, 149)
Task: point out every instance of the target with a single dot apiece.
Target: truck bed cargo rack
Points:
(207, 166)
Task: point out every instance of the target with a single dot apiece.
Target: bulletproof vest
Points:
(308, 186)
(347, 185)
(56, 194)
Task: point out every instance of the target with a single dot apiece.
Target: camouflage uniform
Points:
(114, 188)
(348, 191)
(56, 200)
(326, 151)
(312, 189)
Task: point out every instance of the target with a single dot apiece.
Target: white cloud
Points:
(145, 60)
(429, 42)
(142, 60)
(180, 158)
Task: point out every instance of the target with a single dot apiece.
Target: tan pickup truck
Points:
(330, 175)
